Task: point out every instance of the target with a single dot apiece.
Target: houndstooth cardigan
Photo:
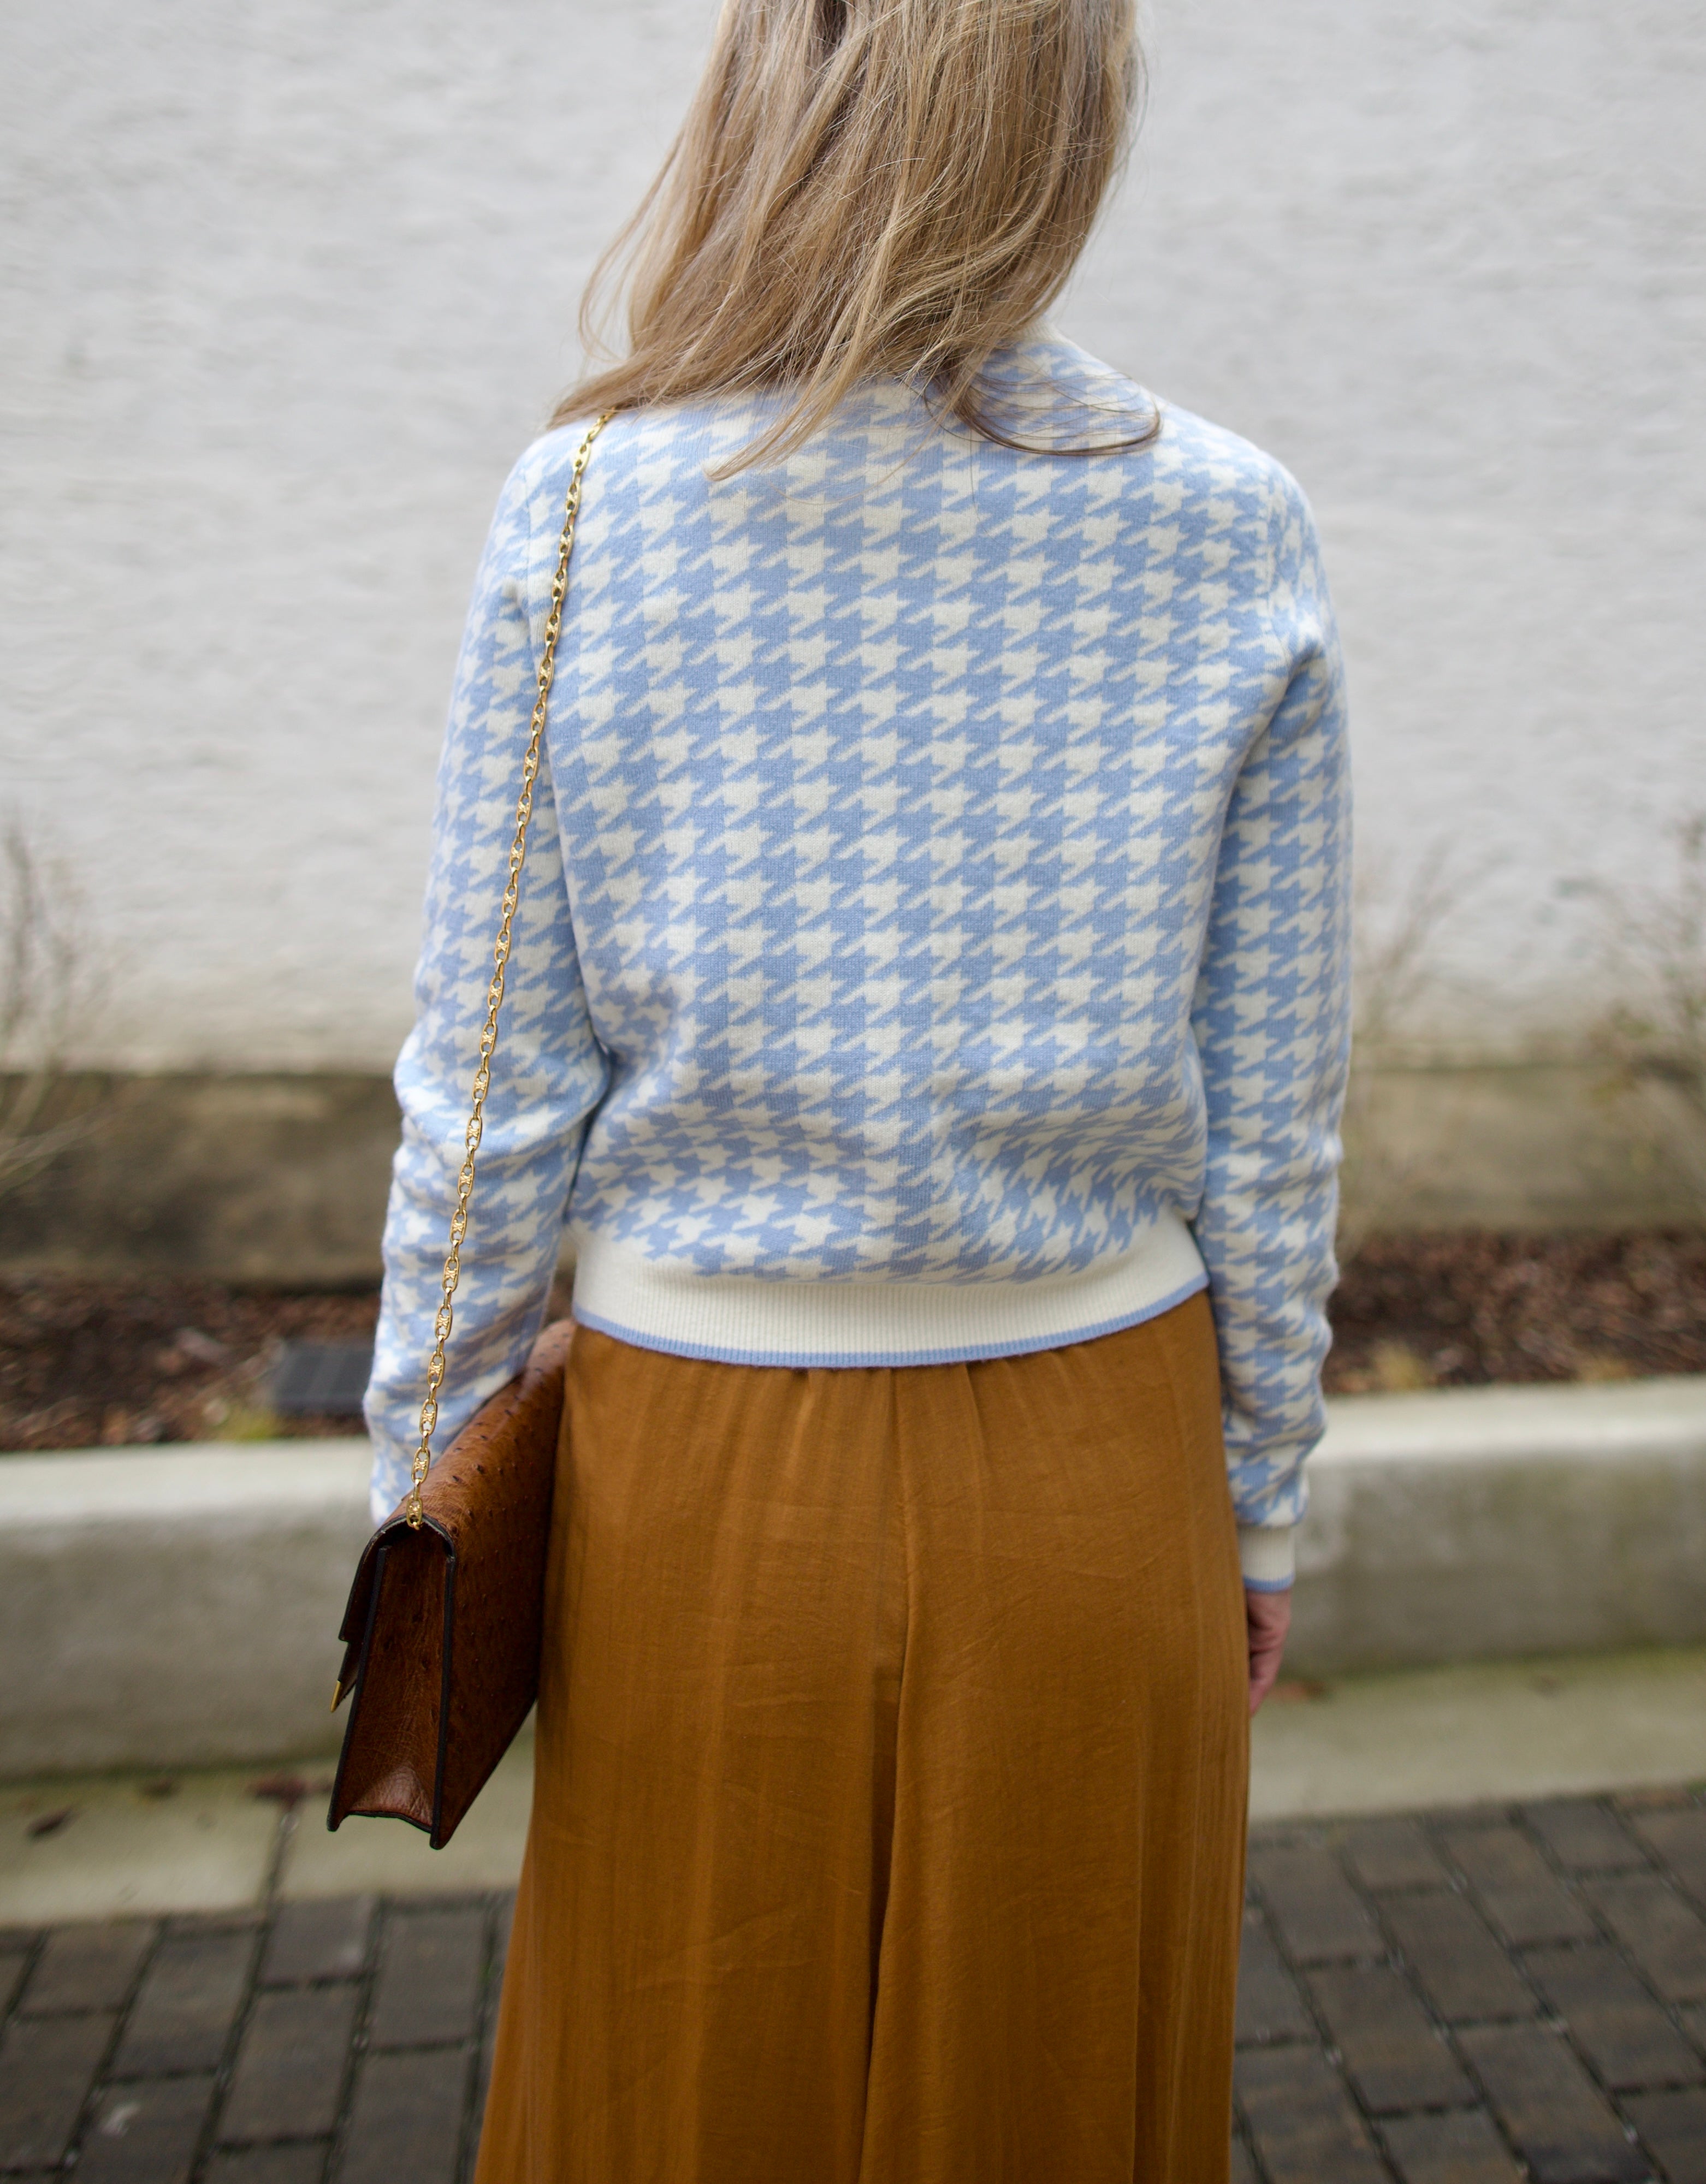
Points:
(933, 939)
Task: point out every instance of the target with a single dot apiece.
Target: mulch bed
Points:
(1463, 1310)
(85, 1363)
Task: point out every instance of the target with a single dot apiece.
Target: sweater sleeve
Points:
(548, 1071)
(1272, 1023)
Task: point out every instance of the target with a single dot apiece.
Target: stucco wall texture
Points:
(288, 283)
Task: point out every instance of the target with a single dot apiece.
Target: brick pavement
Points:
(1463, 1997)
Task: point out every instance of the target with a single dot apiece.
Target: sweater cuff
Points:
(1267, 1554)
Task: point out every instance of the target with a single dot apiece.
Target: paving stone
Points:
(289, 2076)
(503, 1921)
(497, 1925)
(1461, 1969)
(47, 2066)
(1518, 1892)
(1269, 2005)
(146, 2132)
(483, 2073)
(1395, 2057)
(1617, 2025)
(1674, 2128)
(269, 2164)
(1320, 1915)
(1679, 1839)
(435, 2008)
(1583, 1836)
(87, 1967)
(1393, 1854)
(187, 2004)
(429, 1983)
(407, 2120)
(1302, 2122)
(317, 1941)
(1462, 2146)
(1665, 1935)
(1555, 2116)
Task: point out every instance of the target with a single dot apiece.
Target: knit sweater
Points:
(933, 939)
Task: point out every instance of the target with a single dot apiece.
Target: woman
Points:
(928, 1013)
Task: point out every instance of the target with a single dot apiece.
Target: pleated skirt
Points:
(892, 1755)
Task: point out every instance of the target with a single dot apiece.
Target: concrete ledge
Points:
(174, 1607)
(178, 1607)
(1482, 1524)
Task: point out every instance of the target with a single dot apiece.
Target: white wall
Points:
(287, 285)
(1449, 262)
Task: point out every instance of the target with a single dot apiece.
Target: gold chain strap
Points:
(445, 1316)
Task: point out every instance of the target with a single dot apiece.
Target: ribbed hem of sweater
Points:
(661, 1305)
(1268, 1555)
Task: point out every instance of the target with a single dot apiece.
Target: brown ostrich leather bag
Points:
(443, 1630)
(442, 1633)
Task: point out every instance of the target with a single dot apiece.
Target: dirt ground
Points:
(85, 1364)
(1463, 1310)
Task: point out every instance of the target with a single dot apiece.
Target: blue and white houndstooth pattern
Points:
(940, 872)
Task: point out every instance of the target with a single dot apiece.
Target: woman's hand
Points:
(1268, 1616)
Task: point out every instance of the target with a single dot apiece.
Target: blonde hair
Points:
(866, 188)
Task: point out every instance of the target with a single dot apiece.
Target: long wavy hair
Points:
(866, 188)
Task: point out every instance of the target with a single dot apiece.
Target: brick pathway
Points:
(1469, 1997)
(1452, 1998)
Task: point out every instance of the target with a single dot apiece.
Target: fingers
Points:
(1268, 1618)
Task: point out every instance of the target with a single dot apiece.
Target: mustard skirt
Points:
(892, 1752)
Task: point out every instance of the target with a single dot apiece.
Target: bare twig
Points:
(1393, 976)
(50, 988)
(1656, 939)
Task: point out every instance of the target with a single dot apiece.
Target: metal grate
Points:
(327, 1378)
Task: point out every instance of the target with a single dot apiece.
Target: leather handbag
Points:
(442, 1635)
